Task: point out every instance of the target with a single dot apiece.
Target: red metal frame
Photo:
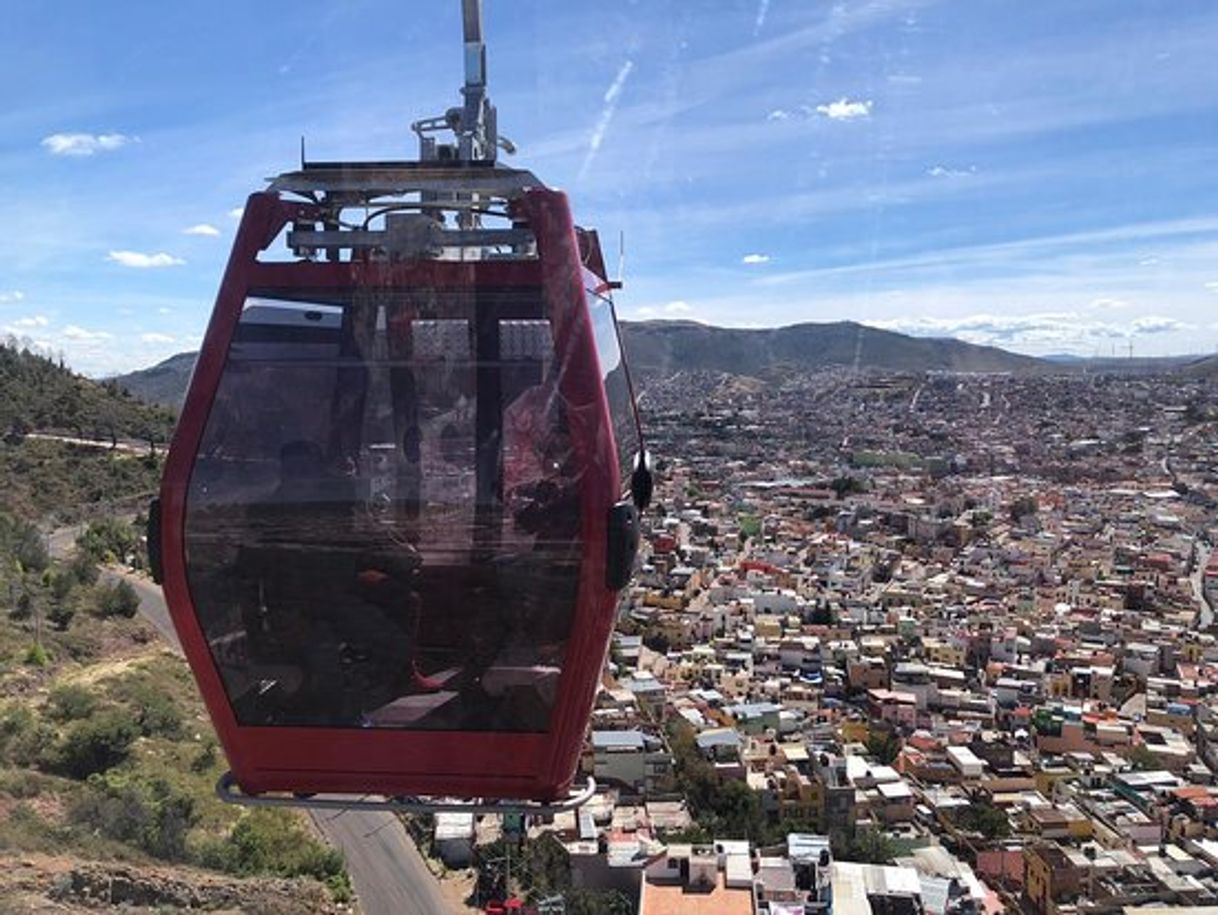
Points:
(381, 760)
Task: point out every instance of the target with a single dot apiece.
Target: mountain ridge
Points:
(661, 347)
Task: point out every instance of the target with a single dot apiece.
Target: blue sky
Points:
(1040, 176)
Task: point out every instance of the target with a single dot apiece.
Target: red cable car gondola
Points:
(391, 525)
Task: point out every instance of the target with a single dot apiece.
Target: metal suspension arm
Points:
(228, 791)
(474, 123)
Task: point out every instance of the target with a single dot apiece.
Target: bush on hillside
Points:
(71, 702)
(92, 745)
(117, 599)
(152, 816)
(268, 841)
(108, 540)
(23, 736)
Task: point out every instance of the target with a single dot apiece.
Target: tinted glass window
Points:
(617, 382)
(383, 519)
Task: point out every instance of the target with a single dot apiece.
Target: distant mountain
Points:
(668, 346)
(1205, 367)
(662, 347)
(163, 383)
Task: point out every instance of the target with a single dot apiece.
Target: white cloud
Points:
(1107, 303)
(201, 228)
(763, 7)
(1212, 287)
(778, 114)
(1155, 324)
(85, 144)
(1043, 330)
(844, 109)
(755, 259)
(9, 296)
(943, 171)
(156, 338)
(144, 261)
(612, 96)
(236, 212)
(34, 321)
(73, 332)
(164, 311)
(674, 309)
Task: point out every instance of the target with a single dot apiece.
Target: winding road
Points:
(389, 874)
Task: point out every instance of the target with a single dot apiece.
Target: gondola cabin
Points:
(395, 516)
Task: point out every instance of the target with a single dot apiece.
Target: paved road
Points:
(1205, 613)
(388, 872)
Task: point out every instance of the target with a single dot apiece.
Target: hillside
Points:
(1206, 367)
(72, 448)
(107, 761)
(107, 758)
(38, 394)
(661, 347)
(163, 383)
(666, 346)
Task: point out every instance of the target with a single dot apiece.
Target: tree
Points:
(867, 846)
(60, 615)
(83, 569)
(884, 746)
(985, 819)
(1142, 758)
(118, 599)
(108, 540)
(92, 745)
(846, 485)
(24, 543)
(822, 614)
(1022, 507)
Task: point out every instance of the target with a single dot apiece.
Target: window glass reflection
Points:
(383, 519)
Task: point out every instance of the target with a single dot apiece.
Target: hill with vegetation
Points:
(38, 394)
(662, 347)
(72, 448)
(668, 346)
(107, 757)
(164, 383)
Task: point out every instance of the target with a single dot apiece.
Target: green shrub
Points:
(92, 745)
(145, 694)
(117, 599)
(108, 540)
(23, 737)
(83, 569)
(37, 656)
(23, 542)
(61, 582)
(60, 615)
(155, 713)
(152, 815)
(266, 841)
(205, 759)
(23, 783)
(71, 702)
(23, 607)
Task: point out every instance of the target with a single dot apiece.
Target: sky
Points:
(1037, 176)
